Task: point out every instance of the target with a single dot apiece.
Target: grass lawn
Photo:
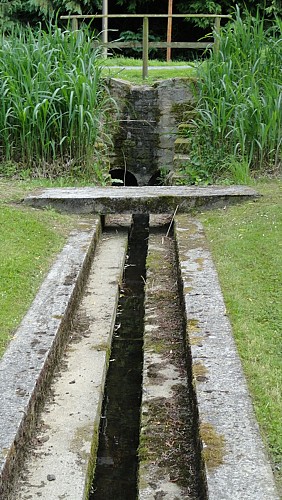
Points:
(30, 239)
(118, 67)
(246, 244)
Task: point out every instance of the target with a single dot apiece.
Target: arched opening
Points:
(122, 177)
(156, 179)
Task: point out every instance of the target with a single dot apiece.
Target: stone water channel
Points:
(69, 418)
(197, 437)
(167, 460)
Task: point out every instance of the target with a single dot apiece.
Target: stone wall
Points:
(148, 120)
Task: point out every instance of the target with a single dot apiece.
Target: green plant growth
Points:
(54, 113)
(246, 246)
(29, 242)
(239, 119)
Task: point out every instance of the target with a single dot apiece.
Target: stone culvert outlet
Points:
(148, 121)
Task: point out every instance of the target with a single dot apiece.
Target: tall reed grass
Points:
(240, 99)
(54, 104)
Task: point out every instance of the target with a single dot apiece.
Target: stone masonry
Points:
(148, 120)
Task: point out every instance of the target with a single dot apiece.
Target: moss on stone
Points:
(213, 445)
(179, 108)
(197, 340)
(200, 261)
(199, 371)
(192, 325)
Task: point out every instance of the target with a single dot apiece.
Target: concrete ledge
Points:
(28, 363)
(66, 440)
(236, 462)
(149, 199)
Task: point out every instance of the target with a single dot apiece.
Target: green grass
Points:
(246, 245)
(30, 239)
(135, 75)
(130, 61)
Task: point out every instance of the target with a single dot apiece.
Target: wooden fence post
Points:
(105, 27)
(145, 47)
(74, 24)
(216, 34)
(169, 31)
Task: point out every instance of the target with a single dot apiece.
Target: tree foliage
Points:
(266, 7)
(31, 11)
(269, 7)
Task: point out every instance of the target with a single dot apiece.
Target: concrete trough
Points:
(29, 361)
(65, 442)
(147, 199)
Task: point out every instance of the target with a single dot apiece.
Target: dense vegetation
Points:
(239, 100)
(54, 120)
(54, 104)
(54, 116)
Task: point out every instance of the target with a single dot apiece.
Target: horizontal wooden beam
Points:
(165, 16)
(156, 45)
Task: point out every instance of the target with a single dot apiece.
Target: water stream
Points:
(117, 461)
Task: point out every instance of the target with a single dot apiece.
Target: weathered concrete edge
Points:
(149, 199)
(224, 403)
(28, 363)
(164, 204)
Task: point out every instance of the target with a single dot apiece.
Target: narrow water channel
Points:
(117, 461)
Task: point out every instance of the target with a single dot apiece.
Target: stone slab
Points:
(66, 443)
(146, 199)
(241, 470)
(28, 362)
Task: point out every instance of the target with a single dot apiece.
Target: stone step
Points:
(180, 160)
(189, 115)
(182, 145)
(183, 129)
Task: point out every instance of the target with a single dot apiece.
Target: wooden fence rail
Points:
(145, 45)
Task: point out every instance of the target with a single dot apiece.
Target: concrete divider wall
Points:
(65, 443)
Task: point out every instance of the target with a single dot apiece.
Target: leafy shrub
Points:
(130, 36)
